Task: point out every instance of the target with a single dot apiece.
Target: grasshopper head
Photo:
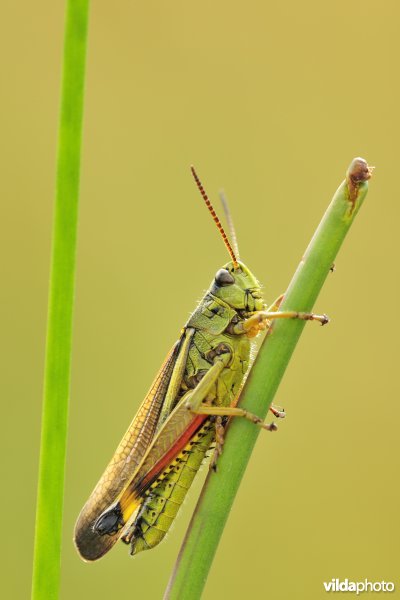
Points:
(236, 285)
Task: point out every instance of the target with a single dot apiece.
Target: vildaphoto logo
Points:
(358, 587)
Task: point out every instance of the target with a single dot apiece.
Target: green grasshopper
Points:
(183, 414)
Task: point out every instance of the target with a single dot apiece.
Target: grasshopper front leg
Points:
(261, 320)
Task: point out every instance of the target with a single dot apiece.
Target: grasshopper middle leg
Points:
(195, 399)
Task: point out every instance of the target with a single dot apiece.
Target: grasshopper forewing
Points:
(124, 464)
(183, 414)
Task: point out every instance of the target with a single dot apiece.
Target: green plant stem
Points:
(201, 541)
(46, 563)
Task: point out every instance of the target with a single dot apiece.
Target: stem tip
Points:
(358, 172)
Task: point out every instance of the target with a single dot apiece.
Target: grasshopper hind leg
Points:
(161, 505)
(220, 424)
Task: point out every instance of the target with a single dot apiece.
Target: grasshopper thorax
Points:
(236, 285)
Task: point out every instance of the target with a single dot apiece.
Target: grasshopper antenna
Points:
(215, 217)
(228, 215)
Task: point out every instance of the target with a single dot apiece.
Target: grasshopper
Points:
(184, 413)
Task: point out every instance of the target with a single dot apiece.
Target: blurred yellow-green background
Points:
(271, 101)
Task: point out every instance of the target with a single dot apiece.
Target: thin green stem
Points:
(208, 521)
(46, 564)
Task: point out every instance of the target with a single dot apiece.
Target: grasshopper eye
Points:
(223, 277)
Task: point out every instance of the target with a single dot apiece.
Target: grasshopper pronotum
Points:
(183, 414)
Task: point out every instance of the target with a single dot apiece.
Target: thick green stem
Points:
(201, 541)
(46, 564)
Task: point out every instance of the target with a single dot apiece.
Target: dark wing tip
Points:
(90, 545)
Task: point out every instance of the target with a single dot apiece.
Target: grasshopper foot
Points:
(270, 426)
(323, 319)
(278, 411)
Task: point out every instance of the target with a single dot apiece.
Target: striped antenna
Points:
(228, 215)
(215, 217)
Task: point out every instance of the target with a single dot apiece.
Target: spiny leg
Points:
(195, 399)
(278, 412)
(233, 411)
(129, 532)
(265, 324)
(294, 314)
(219, 442)
(260, 320)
